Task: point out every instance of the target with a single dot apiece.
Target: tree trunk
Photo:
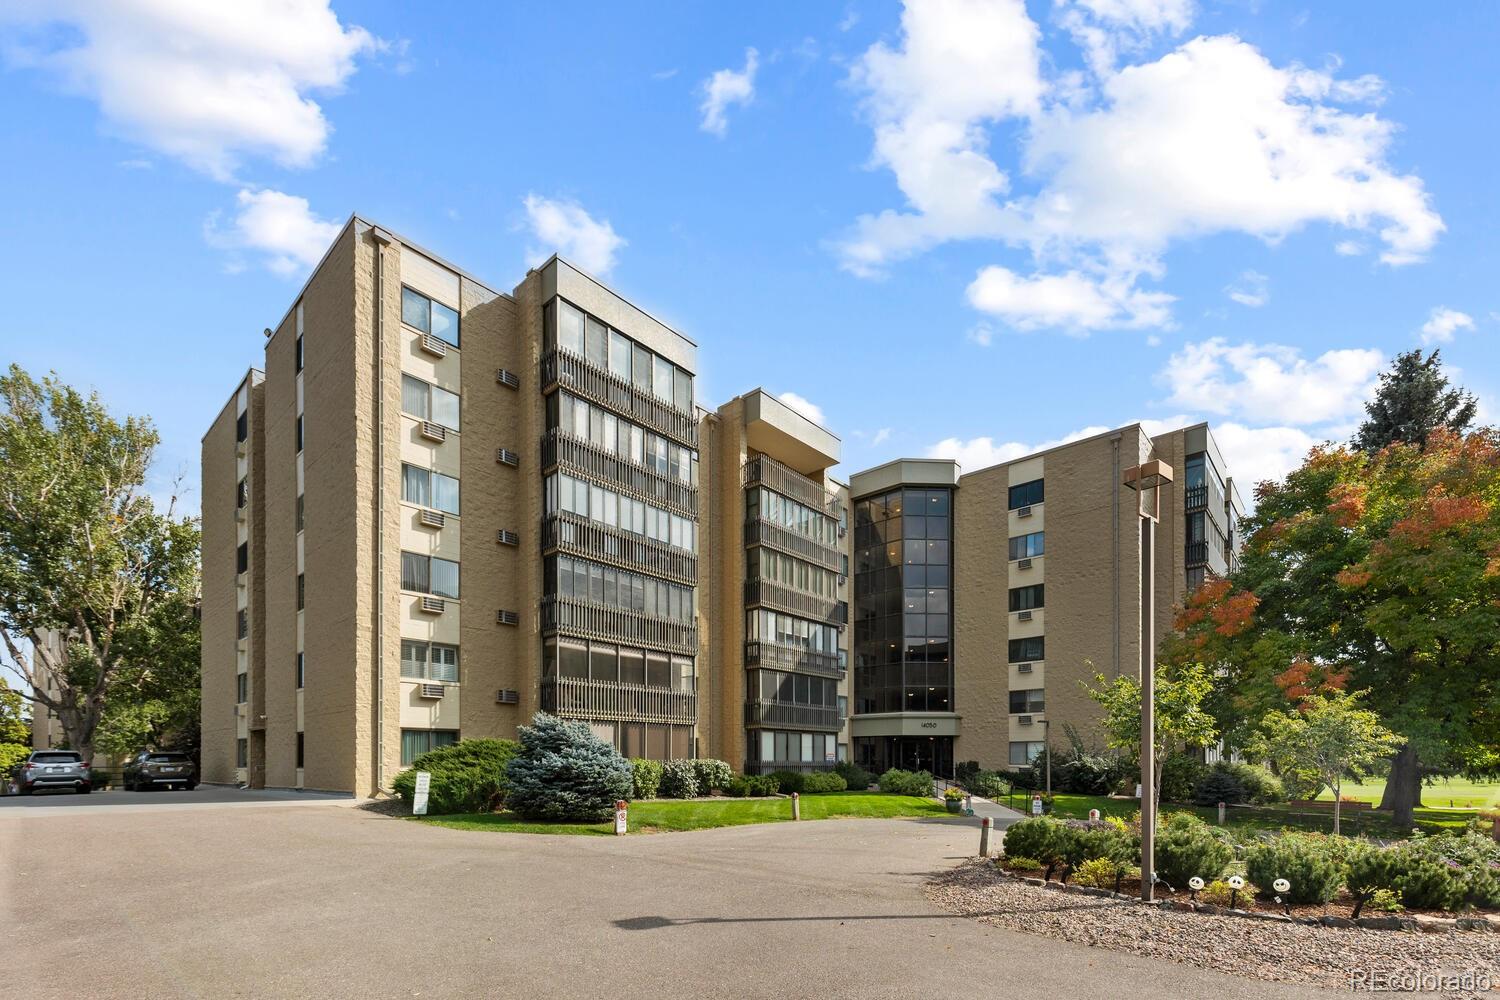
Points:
(1338, 804)
(1403, 788)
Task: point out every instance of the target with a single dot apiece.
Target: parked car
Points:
(159, 769)
(44, 769)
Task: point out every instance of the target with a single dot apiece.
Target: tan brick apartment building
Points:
(440, 508)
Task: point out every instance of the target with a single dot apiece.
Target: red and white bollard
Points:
(984, 836)
(1093, 815)
(796, 806)
(622, 817)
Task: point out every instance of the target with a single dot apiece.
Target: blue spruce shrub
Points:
(564, 772)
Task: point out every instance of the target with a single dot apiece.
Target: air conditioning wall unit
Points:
(431, 519)
(507, 618)
(432, 345)
(508, 379)
(1023, 564)
(507, 457)
(432, 690)
(1023, 511)
(1024, 720)
(505, 696)
(1023, 668)
(432, 431)
(433, 605)
(507, 537)
(1024, 616)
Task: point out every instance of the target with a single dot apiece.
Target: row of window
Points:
(616, 510)
(764, 625)
(424, 401)
(619, 436)
(581, 580)
(429, 316)
(794, 516)
(775, 747)
(789, 571)
(1027, 494)
(427, 488)
(910, 502)
(795, 689)
(428, 661)
(904, 552)
(1026, 546)
(589, 338)
(1028, 598)
(1029, 700)
(896, 528)
(424, 574)
(605, 661)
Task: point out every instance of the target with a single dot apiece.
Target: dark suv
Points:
(159, 769)
(52, 769)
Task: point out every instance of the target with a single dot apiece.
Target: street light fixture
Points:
(1148, 480)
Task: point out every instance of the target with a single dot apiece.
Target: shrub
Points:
(765, 784)
(965, 771)
(1260, 785)
(1097, 872)
(1425, 882)
(989, 785)
(679, 779)
(1219, 893)
(646, 778)
(856, 778)
(1369, 870)
(1219, 786)
(564, 772)
(11, 754)
(1018, 863)
(788, 781)
(1386, 901)
(1086, 772)
(712, 774)
(467, 777)
(954, 794)
(823, 781)
(758, 785)
(1186, 846)
(1308, 861)
(1039, 837)
(898, 782)
(1180, 775)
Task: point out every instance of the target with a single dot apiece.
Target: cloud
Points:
(981, 333)
(983, 452)
(1348, 248)
(724, 88)
(664, 74)
(1252, 289)
(1255, 454)
(812, 411)
(1071, 301)
(280, 226)
(565, 226)
(205, 84)
(881, 437)
(1443, 323)
(1261, 382)
(1105, 28)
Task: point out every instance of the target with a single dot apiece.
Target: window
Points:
(241, 688)
(301, 659)
(429, 661)
(580, 580)
(416, 742)
(1026, 495)
(1030, 700)
(299, 432)
(1026, 650)
(242, 494)
(1026, 546)
(242, 753)
(242, 622)
(299, 511)
(300, 755)
(428, 402)
(429, 575)
(301, 591)
(242, 558)
(429, 489)
(1022, 754)
(1028, 598)
(429, 316)
(242, 426)
(299, 354)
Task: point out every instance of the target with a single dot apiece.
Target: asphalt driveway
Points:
(68, 802)
(225, 901)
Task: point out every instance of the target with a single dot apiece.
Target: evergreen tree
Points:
(564, 772)
(1413, 400)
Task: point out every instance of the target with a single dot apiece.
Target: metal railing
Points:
(1195, 497)
(593, 621)
(570, 533)
(761, 531)
(782, 598)
(778, 656)
(578, 375)
(763, 470)
(774, 713)
(562, 449)
(575, 698)
(1197, 553)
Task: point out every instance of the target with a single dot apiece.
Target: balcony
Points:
(779, 657)
(575, 698)
(1195, 497)
(1197, 553)
(773, 713)
(763, 470)
(760, 593)
(565, 532)
(567, 451)
(760, 531)
(568, 616)
(566, 369)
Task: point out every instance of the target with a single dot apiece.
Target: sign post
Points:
(1036, 805)
(419, 797)
(622, 817)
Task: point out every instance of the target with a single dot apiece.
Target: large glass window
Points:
(429, 489)
(429, 316)
(1029, 649)
(1026, 546)
(416, 742)
(1026, 494)
(1028, 598)
(1023, 753)
(582, 580)
(617, 510)
(429, 402)
(1030, 700)
(429, 575)
(428, 661)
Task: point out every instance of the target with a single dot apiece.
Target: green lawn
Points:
(664, 815)
(1450, 793)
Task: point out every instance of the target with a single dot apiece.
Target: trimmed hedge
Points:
(679, 780)
(468, 777)
(758, 785)
(1186, 846)
(712, 774)
(1307, 860)
(898, 782)
(823, 781)
(855, 777)
(645, 778)
(564, 772)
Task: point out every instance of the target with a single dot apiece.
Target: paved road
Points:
(339, 902)
(71, 803)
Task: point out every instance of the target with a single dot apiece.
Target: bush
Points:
(1219, 893)
(1425, 882)
(989, 785)
(1097, 872)
(1450, 871)
(823, 781)
(467, 777)
(11, 754)
(645, 778)
(1369, 870)
(856, 778)
(679, 780)
(1018, 863)
(1217, 786)
(1260, 785)
(758, 785)
(1180, 775)
(1309, 861)
(965, 771)
(1085, 772)
(1186, 846)
(788, 781)
(564, 772)
(1041, 838)
(712, 774)
(898, 782)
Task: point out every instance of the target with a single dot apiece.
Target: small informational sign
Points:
(622, 818)
(1137, 789)
(1036, 805)
(419, 797)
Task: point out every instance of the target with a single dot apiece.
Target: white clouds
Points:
(981, 333)
(564, 226)
(1255, 454)
(1251, 289)
(812, 411)
(725, 88)
(1348, 248)
(204, 83)
(1263, 382)
(881, 437)
(1070, 301)
(982, 452)
(280, 226)
(1443, 323)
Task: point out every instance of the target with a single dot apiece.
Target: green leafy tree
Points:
(15, 722)
(1181, 719)
(1331, 735)
(84, 553)
(1413, 400)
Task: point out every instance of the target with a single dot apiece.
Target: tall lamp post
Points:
(1148, 480)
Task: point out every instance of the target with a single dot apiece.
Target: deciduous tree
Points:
(1181, 719)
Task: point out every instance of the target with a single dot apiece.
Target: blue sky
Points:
(967, 227)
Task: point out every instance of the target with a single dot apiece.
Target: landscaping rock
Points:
(1034, 881)
(1386, 923)
(1432, 925)
(1472, 923)
(1335, 921)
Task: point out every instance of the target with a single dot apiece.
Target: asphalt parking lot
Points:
(226, 900)
(66, 801)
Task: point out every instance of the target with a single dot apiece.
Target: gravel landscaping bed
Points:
(1295, 953)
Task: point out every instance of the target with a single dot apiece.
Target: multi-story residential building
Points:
(440, 508)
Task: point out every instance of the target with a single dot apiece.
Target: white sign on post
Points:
(419, 798)
(1036, 805)
(622, 818)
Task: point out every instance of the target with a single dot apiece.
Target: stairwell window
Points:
(301, 591)
(241, 688)
(299, 432)
(301, 663)
(242, 558)
(241, 753)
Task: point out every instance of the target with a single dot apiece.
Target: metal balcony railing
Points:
(760, 531)
(570, 533)
(577, 375)
(1195, 497)
(774, 713)
(574, 698)
(1197, 553)
(763, 470)
(562, 449)
(780, 657)
(774, 595)
(567, 616)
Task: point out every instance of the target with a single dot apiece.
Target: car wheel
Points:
(191, 785)
(83, 789)
(23, 790)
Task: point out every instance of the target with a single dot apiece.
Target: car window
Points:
(67, 757)
(167, 758)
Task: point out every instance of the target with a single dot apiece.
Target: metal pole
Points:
(1148, 715)
(1047, 735)
(796, 806)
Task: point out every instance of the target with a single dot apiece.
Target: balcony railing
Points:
(574, 698)
(568, 616)
(577, 375)
(562, 449)
(774, 595)
(772, 654)
(1197, 553)
(773, 713)
(565, 532)
(763, 470)
(760, 531)
(1195, 497)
